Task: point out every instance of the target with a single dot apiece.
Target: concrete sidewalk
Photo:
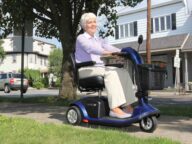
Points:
(170, 98)
(176, 128)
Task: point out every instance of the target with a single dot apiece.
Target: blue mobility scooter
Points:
(95, 109)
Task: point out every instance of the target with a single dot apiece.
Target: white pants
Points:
(118, 84)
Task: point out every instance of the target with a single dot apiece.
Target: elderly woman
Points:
(118, 84)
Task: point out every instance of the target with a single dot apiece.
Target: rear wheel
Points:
(73, 115)
(7, 89)
(148, 124)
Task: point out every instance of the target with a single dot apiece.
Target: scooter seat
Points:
(93, 83)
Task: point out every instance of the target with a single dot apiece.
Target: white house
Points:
(36, 52)
(35, 55)
(171, 22)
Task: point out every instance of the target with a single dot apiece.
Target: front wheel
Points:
(148, 124)
(73, 115)
(7, 89)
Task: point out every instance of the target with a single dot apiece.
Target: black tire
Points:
(148, 124)
(73, 116)
(7, 89)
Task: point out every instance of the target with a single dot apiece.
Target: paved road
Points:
(32, 93)
(176, 128)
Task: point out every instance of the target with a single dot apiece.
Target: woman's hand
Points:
(107, 53)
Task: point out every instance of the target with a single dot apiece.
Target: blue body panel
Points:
(140, 111)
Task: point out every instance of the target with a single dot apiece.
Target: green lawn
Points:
(22, 131)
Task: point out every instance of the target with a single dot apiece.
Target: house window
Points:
(163, 23)
(122, 31)
(126, 30)
(31, 59)
(156, 24)
(131, 29)
(14, 59)
(45, 62)
(42, 48)
(35, 59)
(168, 22)
(41, 60)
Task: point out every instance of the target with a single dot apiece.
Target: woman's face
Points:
(91, 26)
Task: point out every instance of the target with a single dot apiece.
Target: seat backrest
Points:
(88, 84)
(74, 68)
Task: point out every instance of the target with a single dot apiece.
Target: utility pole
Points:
(22, 55)
(148, 40)
(22, 50)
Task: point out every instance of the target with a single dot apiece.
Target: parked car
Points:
(12, 81)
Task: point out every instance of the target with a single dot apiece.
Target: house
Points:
(35, 54)
(171, 31)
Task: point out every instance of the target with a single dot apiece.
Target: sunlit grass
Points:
(22, 131)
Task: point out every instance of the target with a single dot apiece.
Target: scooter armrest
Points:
(87, 63)
(115, 65)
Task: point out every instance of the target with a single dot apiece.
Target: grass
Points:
(22, 131)
(176, 110)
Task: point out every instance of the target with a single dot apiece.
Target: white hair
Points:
(85, 17)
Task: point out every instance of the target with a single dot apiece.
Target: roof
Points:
(43, 41)
(168, 43)
(143, 6)
(188, 44)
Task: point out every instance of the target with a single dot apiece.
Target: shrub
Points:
(45, 81)
(38, 85)
(32, 76)
(58, 82)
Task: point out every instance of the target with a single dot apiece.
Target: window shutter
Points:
(173, 18)
(135, 28)
(151, 25)
(117, 32)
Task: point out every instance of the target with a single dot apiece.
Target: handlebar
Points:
(122, 54)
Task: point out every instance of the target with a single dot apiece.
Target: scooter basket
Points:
(151, 76)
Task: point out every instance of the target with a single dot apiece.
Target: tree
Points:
(2, 52)
(59, 19)
(55, 62)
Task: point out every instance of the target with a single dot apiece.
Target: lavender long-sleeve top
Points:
(90, 48)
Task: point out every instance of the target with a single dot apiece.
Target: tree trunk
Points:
(67, 89)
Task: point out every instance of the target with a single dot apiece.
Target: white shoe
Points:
(113, 114)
